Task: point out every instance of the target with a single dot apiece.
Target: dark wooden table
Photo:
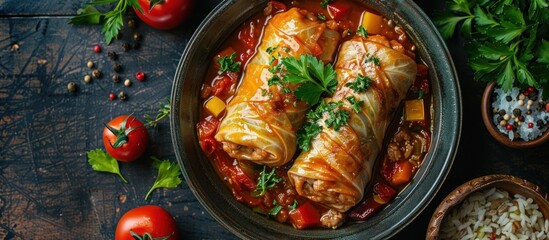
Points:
(47, 188)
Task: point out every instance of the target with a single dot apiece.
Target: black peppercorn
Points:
(132, 23)
(521, 118)
(137, 36)
(125, 47)
(115, 78)
(117, 68)
(509, 98)
(112, 55)
(501, 112)
(516, 112)
(528, 112)
(122, 96)
(540, 123)
(96, 73)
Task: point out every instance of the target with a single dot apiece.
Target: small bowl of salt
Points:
(518, 118)
(492, 207)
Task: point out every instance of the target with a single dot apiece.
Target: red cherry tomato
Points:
(166, 14)
(149, 219)
(125, 138)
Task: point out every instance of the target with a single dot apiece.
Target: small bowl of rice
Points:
(492, 207)
(518, 118)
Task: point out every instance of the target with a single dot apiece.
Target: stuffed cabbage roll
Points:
(262, 119)
(338, 165)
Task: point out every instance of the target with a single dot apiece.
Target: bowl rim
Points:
(486, 110)
(459, 194)
(448, 128)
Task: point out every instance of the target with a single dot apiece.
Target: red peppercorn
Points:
(530, 125)
(509, 127)
(531, 89)
(140, 76)
(547, 107)
(112, 96)
(97, 48)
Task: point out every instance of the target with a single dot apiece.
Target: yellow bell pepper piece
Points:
(413, 110)
(215, 106)
(371, 22)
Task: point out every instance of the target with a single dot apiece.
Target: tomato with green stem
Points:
(164, 14)
(125, 138)
(146, 222)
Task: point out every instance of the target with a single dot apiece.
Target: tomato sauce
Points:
(396, 163)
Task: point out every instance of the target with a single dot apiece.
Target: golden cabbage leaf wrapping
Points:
(261, 121)
(338, 166)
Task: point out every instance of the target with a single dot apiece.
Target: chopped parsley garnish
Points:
(293, 206)
(314, 77)
(270, 50)
(355, 105)
(274, 80)
(306, 134)
(372, 59)
(227, 63)
(507, 40)
(266, 181)
(337, 119)
(361, 83)
(321, 16)
(325, 3)
(276, 209)
(362, 31)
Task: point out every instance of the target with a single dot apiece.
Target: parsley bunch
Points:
(507, 39)
(314, 77)
(112, 20)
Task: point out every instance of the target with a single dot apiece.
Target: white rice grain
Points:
(516, 217)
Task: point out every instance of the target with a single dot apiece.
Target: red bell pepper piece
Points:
(337, 10)
(304, 216)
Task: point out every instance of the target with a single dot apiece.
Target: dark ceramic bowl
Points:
(511, 184)
(487, 114)
(240, 219)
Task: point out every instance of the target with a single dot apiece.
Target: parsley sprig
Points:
(102, 162)
(168, 175)
(164, 111)
(508, 39)
(228, 63)
(112, 20)
(337, 117)
(313, 76)
(265, 181)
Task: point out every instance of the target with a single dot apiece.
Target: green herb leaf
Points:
(337, 119)
(315, 77)
(507, 39)
(112, 20)
(293, 206)
(266, 181)
(87, 16)
(356, 106)
(361, 83)
(306, 134)
(275, 210)
(227, 63)
(321, 16)
(362, 31)
(168, 175)
(325, 3)
(543, 52)
(164, 111)
(102, 162)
